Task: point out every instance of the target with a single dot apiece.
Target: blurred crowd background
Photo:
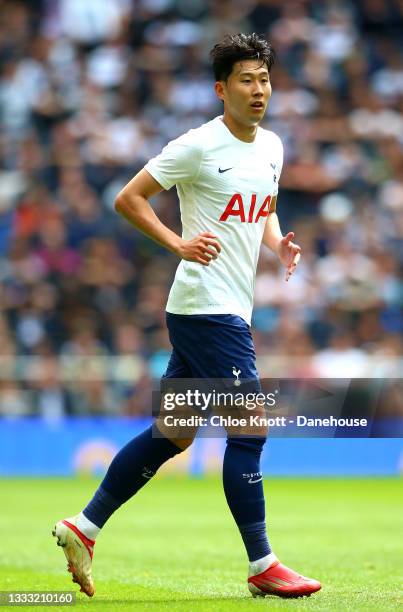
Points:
(90, 90)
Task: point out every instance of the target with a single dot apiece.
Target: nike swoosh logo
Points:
(273, 166)
(224, 170)
(251, 481)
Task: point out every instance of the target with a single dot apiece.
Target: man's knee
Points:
(182, 443)
(180, 435)
(182, 440)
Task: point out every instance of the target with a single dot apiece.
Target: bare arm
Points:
(288, 252)
(132, 203)
(272, 233)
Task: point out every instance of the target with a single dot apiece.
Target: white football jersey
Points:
(225, 186)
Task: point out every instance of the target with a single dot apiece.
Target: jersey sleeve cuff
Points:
(158, 177)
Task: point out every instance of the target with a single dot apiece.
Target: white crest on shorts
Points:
(236, 373)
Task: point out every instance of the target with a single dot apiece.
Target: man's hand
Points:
(201, 249)
(289, 254)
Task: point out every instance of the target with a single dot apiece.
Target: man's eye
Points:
(246, 81)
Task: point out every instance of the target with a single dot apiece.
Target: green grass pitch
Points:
(175, 547)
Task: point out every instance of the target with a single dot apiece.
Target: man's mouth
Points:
(257, 104)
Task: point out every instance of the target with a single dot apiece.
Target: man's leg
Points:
(243, 487)
(133, 466)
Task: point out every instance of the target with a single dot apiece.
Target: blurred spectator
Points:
(90, 90)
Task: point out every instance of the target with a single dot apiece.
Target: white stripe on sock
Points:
(86, 527)
(261, 565)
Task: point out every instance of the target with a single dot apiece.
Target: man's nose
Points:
(258, 89)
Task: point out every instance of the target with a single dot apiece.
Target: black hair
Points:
(237, 47)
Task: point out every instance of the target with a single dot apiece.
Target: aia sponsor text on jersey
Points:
(248, 212)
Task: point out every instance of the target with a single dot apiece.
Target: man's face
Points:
(246, 92)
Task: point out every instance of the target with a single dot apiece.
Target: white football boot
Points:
(79, 551)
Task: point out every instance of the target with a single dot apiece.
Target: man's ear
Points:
(219, 89)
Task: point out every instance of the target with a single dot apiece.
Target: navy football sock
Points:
(243, 486)
(131, 469)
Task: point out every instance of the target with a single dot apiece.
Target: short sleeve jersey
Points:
(225, 186)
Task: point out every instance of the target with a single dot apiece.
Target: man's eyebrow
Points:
(253, 72)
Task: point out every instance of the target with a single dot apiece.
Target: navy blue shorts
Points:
(211, 346)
